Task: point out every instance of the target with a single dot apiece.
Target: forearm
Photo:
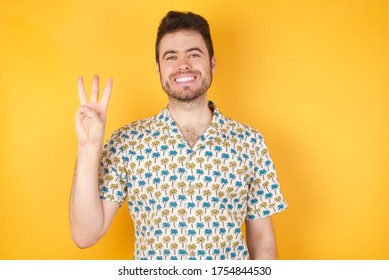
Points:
(86, 211)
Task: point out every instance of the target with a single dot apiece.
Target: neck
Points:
(193, 118)
(193, 114)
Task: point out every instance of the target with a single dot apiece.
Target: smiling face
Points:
(184, 66)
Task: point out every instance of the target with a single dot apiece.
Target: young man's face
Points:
(184, 67)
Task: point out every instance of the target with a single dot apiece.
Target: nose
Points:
(183, 64)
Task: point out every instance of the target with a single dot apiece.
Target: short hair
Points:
(176, 21)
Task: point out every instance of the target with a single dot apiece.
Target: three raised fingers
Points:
(95, 91)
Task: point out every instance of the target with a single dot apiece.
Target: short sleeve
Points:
(113, 172)
(264, 197)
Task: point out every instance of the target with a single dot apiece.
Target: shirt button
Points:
(192, 253)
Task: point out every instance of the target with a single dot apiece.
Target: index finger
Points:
(81, 91)
(107, 93)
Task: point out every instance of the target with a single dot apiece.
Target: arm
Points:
(90, 217)
(261, 241)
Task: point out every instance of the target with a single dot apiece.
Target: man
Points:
(191, 175)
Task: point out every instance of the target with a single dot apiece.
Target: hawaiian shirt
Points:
(190, 202)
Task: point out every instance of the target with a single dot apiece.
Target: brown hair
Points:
(176, 21)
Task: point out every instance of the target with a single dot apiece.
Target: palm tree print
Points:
(190, 202)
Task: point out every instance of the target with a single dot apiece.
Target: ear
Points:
(213, 64)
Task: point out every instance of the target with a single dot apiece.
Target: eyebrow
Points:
(186, 51)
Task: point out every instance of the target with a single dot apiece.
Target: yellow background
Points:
(312, 76)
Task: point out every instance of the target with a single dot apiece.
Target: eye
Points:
(194, 55)
(171, 57)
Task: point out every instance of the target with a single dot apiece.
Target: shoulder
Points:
(246, 136)
(140, 126)
(134, 130)
(241, 130)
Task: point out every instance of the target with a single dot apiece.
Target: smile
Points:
(184, 79)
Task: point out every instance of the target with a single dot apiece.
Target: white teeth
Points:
(184, 79)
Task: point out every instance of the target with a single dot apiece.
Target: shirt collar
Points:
(218, 126)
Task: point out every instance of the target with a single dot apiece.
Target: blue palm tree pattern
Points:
(190, 202)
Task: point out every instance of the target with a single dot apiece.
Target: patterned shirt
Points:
(190, 203)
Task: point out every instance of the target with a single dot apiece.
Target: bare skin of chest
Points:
(192, 135)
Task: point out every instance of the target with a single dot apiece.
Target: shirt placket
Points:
(185, 244)
(190, 187)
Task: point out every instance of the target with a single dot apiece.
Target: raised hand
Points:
(91, 117)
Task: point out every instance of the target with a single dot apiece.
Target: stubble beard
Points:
(186, 94)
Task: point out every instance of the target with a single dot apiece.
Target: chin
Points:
(185, 94)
